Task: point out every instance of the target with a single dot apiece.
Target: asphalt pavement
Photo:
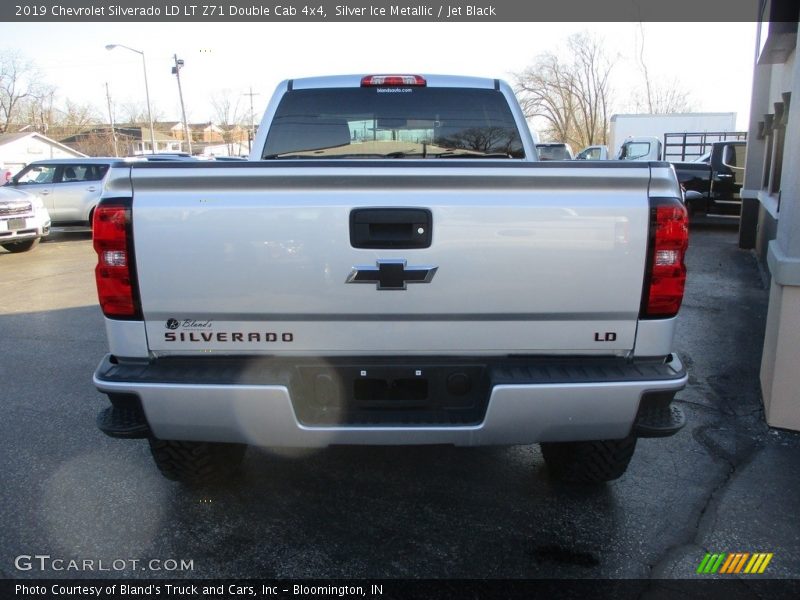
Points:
(726, 483)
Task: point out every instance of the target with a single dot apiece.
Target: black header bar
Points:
(702, 588)
(376, 11)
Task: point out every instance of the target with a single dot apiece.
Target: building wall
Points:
(782, 77)
(17, 153)
(767, 229)
(775, 118)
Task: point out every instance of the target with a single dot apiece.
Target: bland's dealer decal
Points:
(199, 331)
(189, 324)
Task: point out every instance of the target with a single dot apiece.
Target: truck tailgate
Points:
(255, 258)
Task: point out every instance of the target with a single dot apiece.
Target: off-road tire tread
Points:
(196, 462)
(588, 462)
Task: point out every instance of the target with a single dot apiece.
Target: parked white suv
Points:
(70, 188)
(24, 220)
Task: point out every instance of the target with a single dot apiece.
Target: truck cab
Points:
(597, 152)
(717, 181)
(641, 148)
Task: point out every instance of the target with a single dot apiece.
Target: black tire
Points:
(588, 462)
(21, 246)
(196, 462)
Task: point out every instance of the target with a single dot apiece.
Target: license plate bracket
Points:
(430, 393)
(15, 224)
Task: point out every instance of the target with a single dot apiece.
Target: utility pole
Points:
(111, 120)
(252, 119)
(176, 70)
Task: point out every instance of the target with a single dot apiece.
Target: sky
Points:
(713, 61)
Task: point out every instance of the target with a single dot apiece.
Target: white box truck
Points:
(649, 125)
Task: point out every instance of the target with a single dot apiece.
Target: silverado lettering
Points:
(518, 339)
(222, 336)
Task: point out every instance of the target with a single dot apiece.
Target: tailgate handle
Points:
(390, 228)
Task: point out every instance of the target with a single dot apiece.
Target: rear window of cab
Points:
(392, 123)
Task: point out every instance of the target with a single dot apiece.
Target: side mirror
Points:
(729, 157)
(692, 196)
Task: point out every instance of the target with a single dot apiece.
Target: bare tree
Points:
(98, 143)
(19, 82)
(226, 108)
(79, 116)
(39, 112)
(570, 96)
(135, 113)
(663, 99)
(45, 116)
(227, 114)
(543, 91)
(29, 103)
(592, 88)
(659, 98)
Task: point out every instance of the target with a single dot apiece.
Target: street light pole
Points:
(176, 70)
(252, 133)
(146, 91)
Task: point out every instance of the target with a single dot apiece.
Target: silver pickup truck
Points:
(392, 266)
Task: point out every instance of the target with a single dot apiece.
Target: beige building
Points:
(771, 204)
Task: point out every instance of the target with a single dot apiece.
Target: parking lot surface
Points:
(725, 483)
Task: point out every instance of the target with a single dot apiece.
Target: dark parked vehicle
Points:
(554, 151)
(717, 181)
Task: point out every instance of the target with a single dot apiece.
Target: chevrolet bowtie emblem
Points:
(391, 274)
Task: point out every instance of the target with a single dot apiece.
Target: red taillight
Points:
(666, 270)
(114, 271)
(393, 80)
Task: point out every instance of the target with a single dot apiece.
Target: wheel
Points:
(21, 246)
(588, 462)
(196, 462)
